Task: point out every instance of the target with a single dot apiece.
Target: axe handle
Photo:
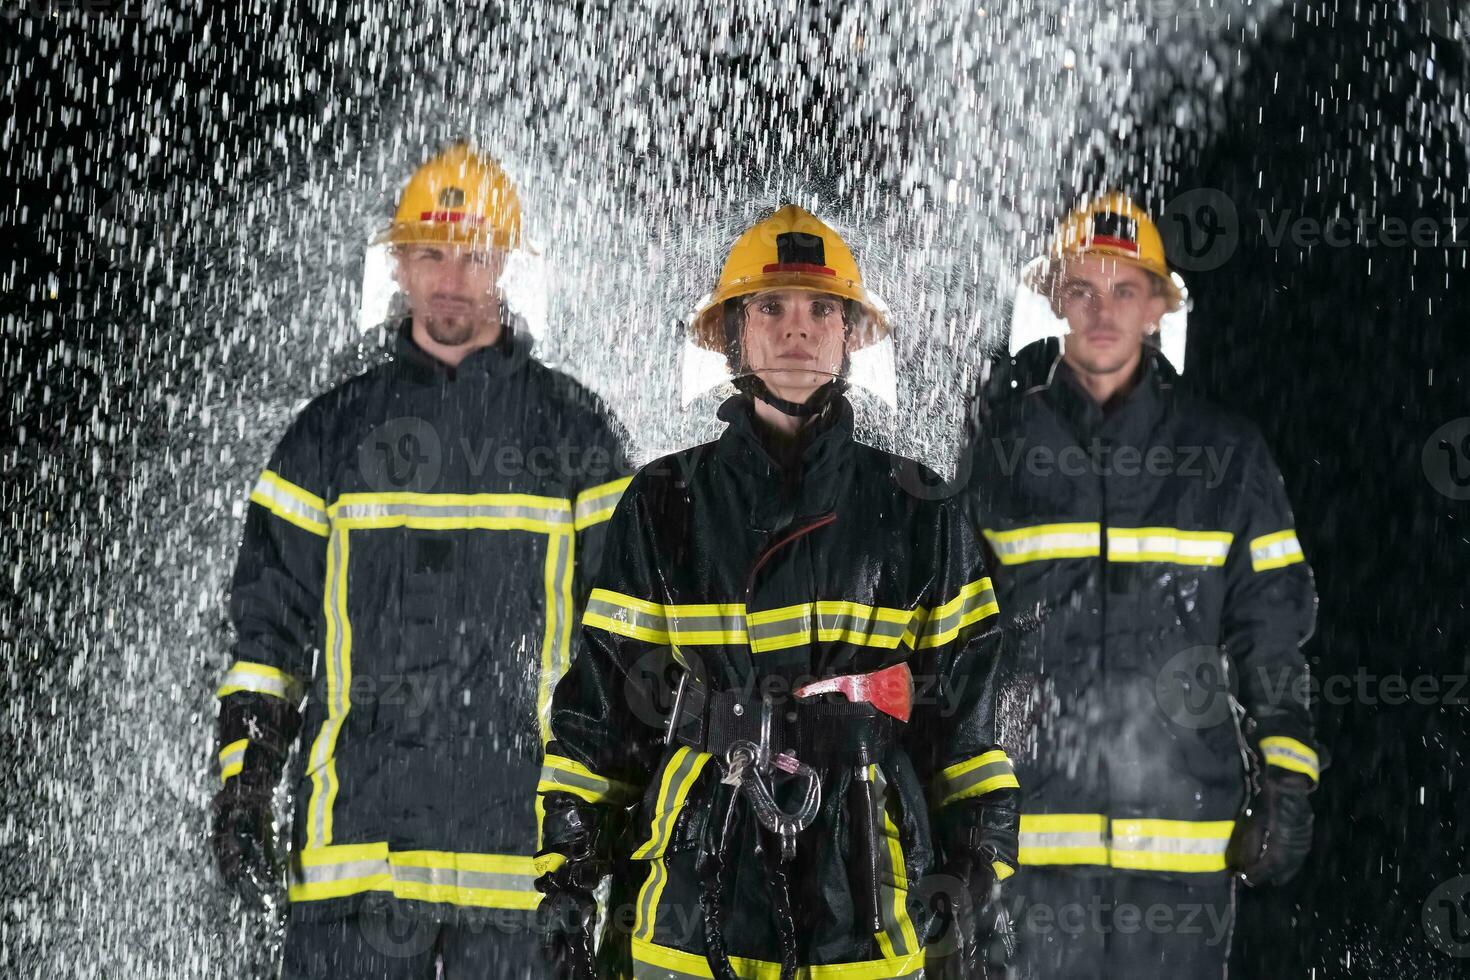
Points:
(862, 808)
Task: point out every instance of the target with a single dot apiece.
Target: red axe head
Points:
(890, 690)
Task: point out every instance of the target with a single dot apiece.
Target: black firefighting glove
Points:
(574, 853)
(1269, 845)
(980, 843)
(242, 831)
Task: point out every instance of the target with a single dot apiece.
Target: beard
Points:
(451, 331)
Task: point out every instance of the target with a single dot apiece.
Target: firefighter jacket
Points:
(413, 562)
(756, 572)
(1156, 597)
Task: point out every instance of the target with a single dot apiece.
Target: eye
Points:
(1077, 291)
(1125, 292)
(768, 307)
(823, 308)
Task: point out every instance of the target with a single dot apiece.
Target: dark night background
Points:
(1348, 358)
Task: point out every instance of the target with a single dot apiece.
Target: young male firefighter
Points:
(413, 561)
(1147, 565)
(790, 659)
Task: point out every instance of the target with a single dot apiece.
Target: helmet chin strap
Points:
(753, 386)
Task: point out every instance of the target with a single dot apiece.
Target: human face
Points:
(451, 291)
(1110, 307)
(794, 340)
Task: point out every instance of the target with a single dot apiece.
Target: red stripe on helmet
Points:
(455, 216)
(819, 270)
(1122, 243)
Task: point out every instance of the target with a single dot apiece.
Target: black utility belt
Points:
(821, 733)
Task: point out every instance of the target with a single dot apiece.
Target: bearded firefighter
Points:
(1158, 597)
(414, 557)
(787, 668)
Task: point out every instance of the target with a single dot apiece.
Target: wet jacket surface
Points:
(763, 576)
(1156, 598)
(412, 563)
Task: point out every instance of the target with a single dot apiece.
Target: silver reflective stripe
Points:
(1170, 845)
(675, 625)
(324, 746)
(261, 679)
(648, 897)
(497, 881)
(272, 493)
(316, 874)
(1045, 541)
(1079, 838)
(848, 625)
(555, 658)
(952, 621)
(1164, 544)
(1275, 550)
(521, 512)
(588, 508)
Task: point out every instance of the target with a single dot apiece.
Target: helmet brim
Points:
(1040, 277)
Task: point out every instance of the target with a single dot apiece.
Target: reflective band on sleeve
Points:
(1288, 753)
(680, 773)
(291, 503)
(598, 503)
(232, 759)
(259, 679)
(1170, 845)
(500, 881)
(833, 621)
(1045, 541)
(1168, 544)
(975, 602)
(975, 777)
(1275, 551)
(1064, 838)
(563, 775)
(652, 622)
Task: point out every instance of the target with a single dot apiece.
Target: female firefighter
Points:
(791, 661)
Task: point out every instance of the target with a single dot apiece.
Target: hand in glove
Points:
(243, 839)
(572, 832)
(1269, 846)
(982, 927)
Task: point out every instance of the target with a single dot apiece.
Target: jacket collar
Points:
(1038, 370)
(788, 482)
(500, 360)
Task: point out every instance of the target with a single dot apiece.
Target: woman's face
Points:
(794, 340)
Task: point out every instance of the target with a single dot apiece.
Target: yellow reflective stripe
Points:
(649, 896)
(453, 511)
(973, 777)
(654, 962)
(232, 759)
(975, 602)
(255, 678)
(1170, 845)
(652, 622)
(503, 881)
(1288, 753)
(1045, 541)
(1143, 844)
(556, 643)
(290, 503)
(1275, 551)
(597, 504)
(1168, 544)
(832, 620)
(1002, 870)
(898, 937)
(321, 762)
(562, 775)
(681, 771)
(1063, 838)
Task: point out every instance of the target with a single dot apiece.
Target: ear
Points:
(1157, 307)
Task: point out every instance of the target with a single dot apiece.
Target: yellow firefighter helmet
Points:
(459, 198)
(1110, 225)
(792, 249)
